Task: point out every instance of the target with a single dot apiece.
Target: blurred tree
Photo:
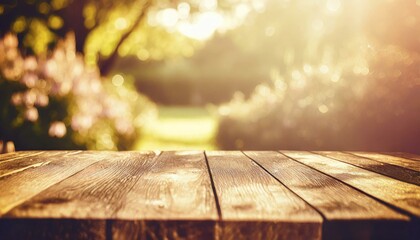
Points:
(62, 16)
(58, 102)
(52, 94)
(344, 76)
(38, 23)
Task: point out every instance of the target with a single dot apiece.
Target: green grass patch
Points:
(180, 128)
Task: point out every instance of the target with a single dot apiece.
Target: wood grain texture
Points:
(26, 162)
(256, 206)
(403, 155)
(259, 195)
(338, 202)
(96, 192)
(266, 229)
(394, 171)
(6, 157)
(333, 198)
(176, 189)
(164, 229)
(403, 162)
(19, 187)
(397, 193)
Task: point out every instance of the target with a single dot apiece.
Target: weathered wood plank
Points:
(21, 186)
(343, 207)
(394, 171)
(173, 199)
(104, 195)
(254, 205)
(397, 193)
(27, 162)
(403, 162)
(95, 192)
(403, 155)
(164, 229)
(333, 198)
(6, 157)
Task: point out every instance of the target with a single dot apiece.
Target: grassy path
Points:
(180, 128)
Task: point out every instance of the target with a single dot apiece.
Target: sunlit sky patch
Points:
(204, 24)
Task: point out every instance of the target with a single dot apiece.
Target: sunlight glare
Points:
(121, 23)
(258, 5)
(168, 17)
(242, 10)
(333, 5)
(183, 10)
(206, 5)
(203, 26)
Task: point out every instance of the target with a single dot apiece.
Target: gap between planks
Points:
(398, 195)
(213, 187)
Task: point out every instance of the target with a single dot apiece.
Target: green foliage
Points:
(180, 128)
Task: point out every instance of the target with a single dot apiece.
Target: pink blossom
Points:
(57, 129)
(30, 64)
(31, 114)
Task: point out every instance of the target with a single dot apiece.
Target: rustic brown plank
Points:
(394, 171)
(163, 229)
(6, 157)
(254, 205)
(173, 199)
(27, 162)
(21, 186)
(403, 162)
(397, 193)
(96, 192)
(344, 208)
(403, 155)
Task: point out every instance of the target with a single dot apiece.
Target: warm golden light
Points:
(259, 74)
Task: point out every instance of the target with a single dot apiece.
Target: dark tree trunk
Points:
(105, 65)
(74, 21)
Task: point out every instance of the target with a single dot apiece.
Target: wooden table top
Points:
(209, 195)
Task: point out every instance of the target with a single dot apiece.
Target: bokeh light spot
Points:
(143, 54)
(19, 25)
(323, 108)
(333, 5)
(57, 129)
(118, 80)
(121, 23)
(55, 22)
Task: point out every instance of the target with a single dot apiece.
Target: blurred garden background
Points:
(210, 74)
